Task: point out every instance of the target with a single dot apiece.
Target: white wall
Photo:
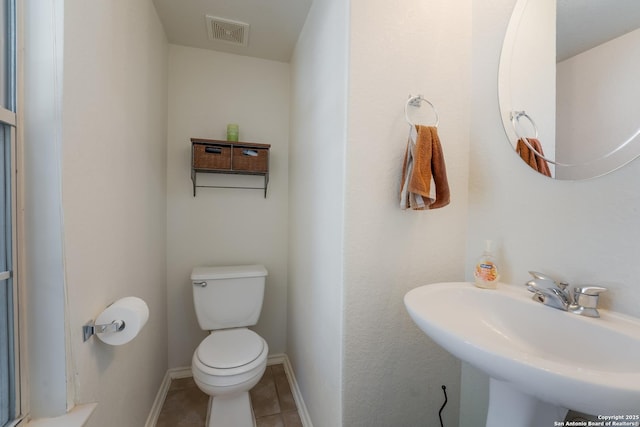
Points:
(392, 372)
(578, 231)
(114, 193)
(316, 210)
(597, 94)
(207, 90)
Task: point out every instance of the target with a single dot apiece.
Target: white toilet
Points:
(232, 359)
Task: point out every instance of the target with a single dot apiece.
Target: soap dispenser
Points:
(486, 270)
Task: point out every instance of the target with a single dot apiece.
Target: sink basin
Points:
(541, 360)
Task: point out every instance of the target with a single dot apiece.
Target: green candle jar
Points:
(232, 132)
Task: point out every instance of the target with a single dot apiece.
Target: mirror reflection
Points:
(568, 86)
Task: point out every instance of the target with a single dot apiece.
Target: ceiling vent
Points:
(228, 31)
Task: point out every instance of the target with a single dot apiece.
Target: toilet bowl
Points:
(232, 358)
(226, 365)
(227, 359)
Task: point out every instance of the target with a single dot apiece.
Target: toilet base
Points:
(230, 411)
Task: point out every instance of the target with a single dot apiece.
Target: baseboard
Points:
(171, 374)
(185, 372)
(295, 390)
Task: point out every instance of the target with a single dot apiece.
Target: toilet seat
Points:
(230, 352)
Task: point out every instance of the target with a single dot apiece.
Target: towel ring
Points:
(414, 101)
(515, 120)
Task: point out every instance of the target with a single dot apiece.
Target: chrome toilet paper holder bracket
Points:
(90, 328)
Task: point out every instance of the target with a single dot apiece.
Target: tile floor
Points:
(272, 401)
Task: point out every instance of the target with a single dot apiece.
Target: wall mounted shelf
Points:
(228, 157)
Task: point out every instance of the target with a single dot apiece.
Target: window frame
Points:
(9, 116)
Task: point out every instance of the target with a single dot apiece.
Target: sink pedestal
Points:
(509, 407)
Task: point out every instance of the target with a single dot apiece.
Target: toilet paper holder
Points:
(90, 328)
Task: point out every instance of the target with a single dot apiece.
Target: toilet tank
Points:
(228, 297)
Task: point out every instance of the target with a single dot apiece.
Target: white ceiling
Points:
(273, 32)
(584, 24)
(276, 24)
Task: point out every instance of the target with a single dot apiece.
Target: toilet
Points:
(232, 358)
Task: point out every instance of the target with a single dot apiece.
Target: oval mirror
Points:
(568, 85)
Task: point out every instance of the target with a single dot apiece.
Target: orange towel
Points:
(536, 162)
(423, 169)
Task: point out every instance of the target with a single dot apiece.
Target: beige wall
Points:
(346, 320)
(392, 372)
(94, 186)
(207, 90)
(527, 79)
(114, 192)
(316, 209)
(582, 232)
(596, 87)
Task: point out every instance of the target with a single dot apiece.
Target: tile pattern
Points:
(272, 401)
(184, 406)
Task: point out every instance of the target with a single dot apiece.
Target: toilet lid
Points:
(230, 348)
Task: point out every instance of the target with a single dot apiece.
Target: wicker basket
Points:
(211, 156)
(250, 159)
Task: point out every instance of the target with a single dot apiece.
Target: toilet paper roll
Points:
(133, 311)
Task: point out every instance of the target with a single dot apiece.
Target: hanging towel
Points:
(536, 162)
(424, 175)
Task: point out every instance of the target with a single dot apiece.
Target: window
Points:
(9, 401)
(7, 291)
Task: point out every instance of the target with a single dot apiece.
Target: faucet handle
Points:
(592, 291)
(541, 276)
(586, 300)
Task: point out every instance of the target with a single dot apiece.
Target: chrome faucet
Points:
(579, 300)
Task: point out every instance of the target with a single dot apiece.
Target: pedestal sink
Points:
(542, 361)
